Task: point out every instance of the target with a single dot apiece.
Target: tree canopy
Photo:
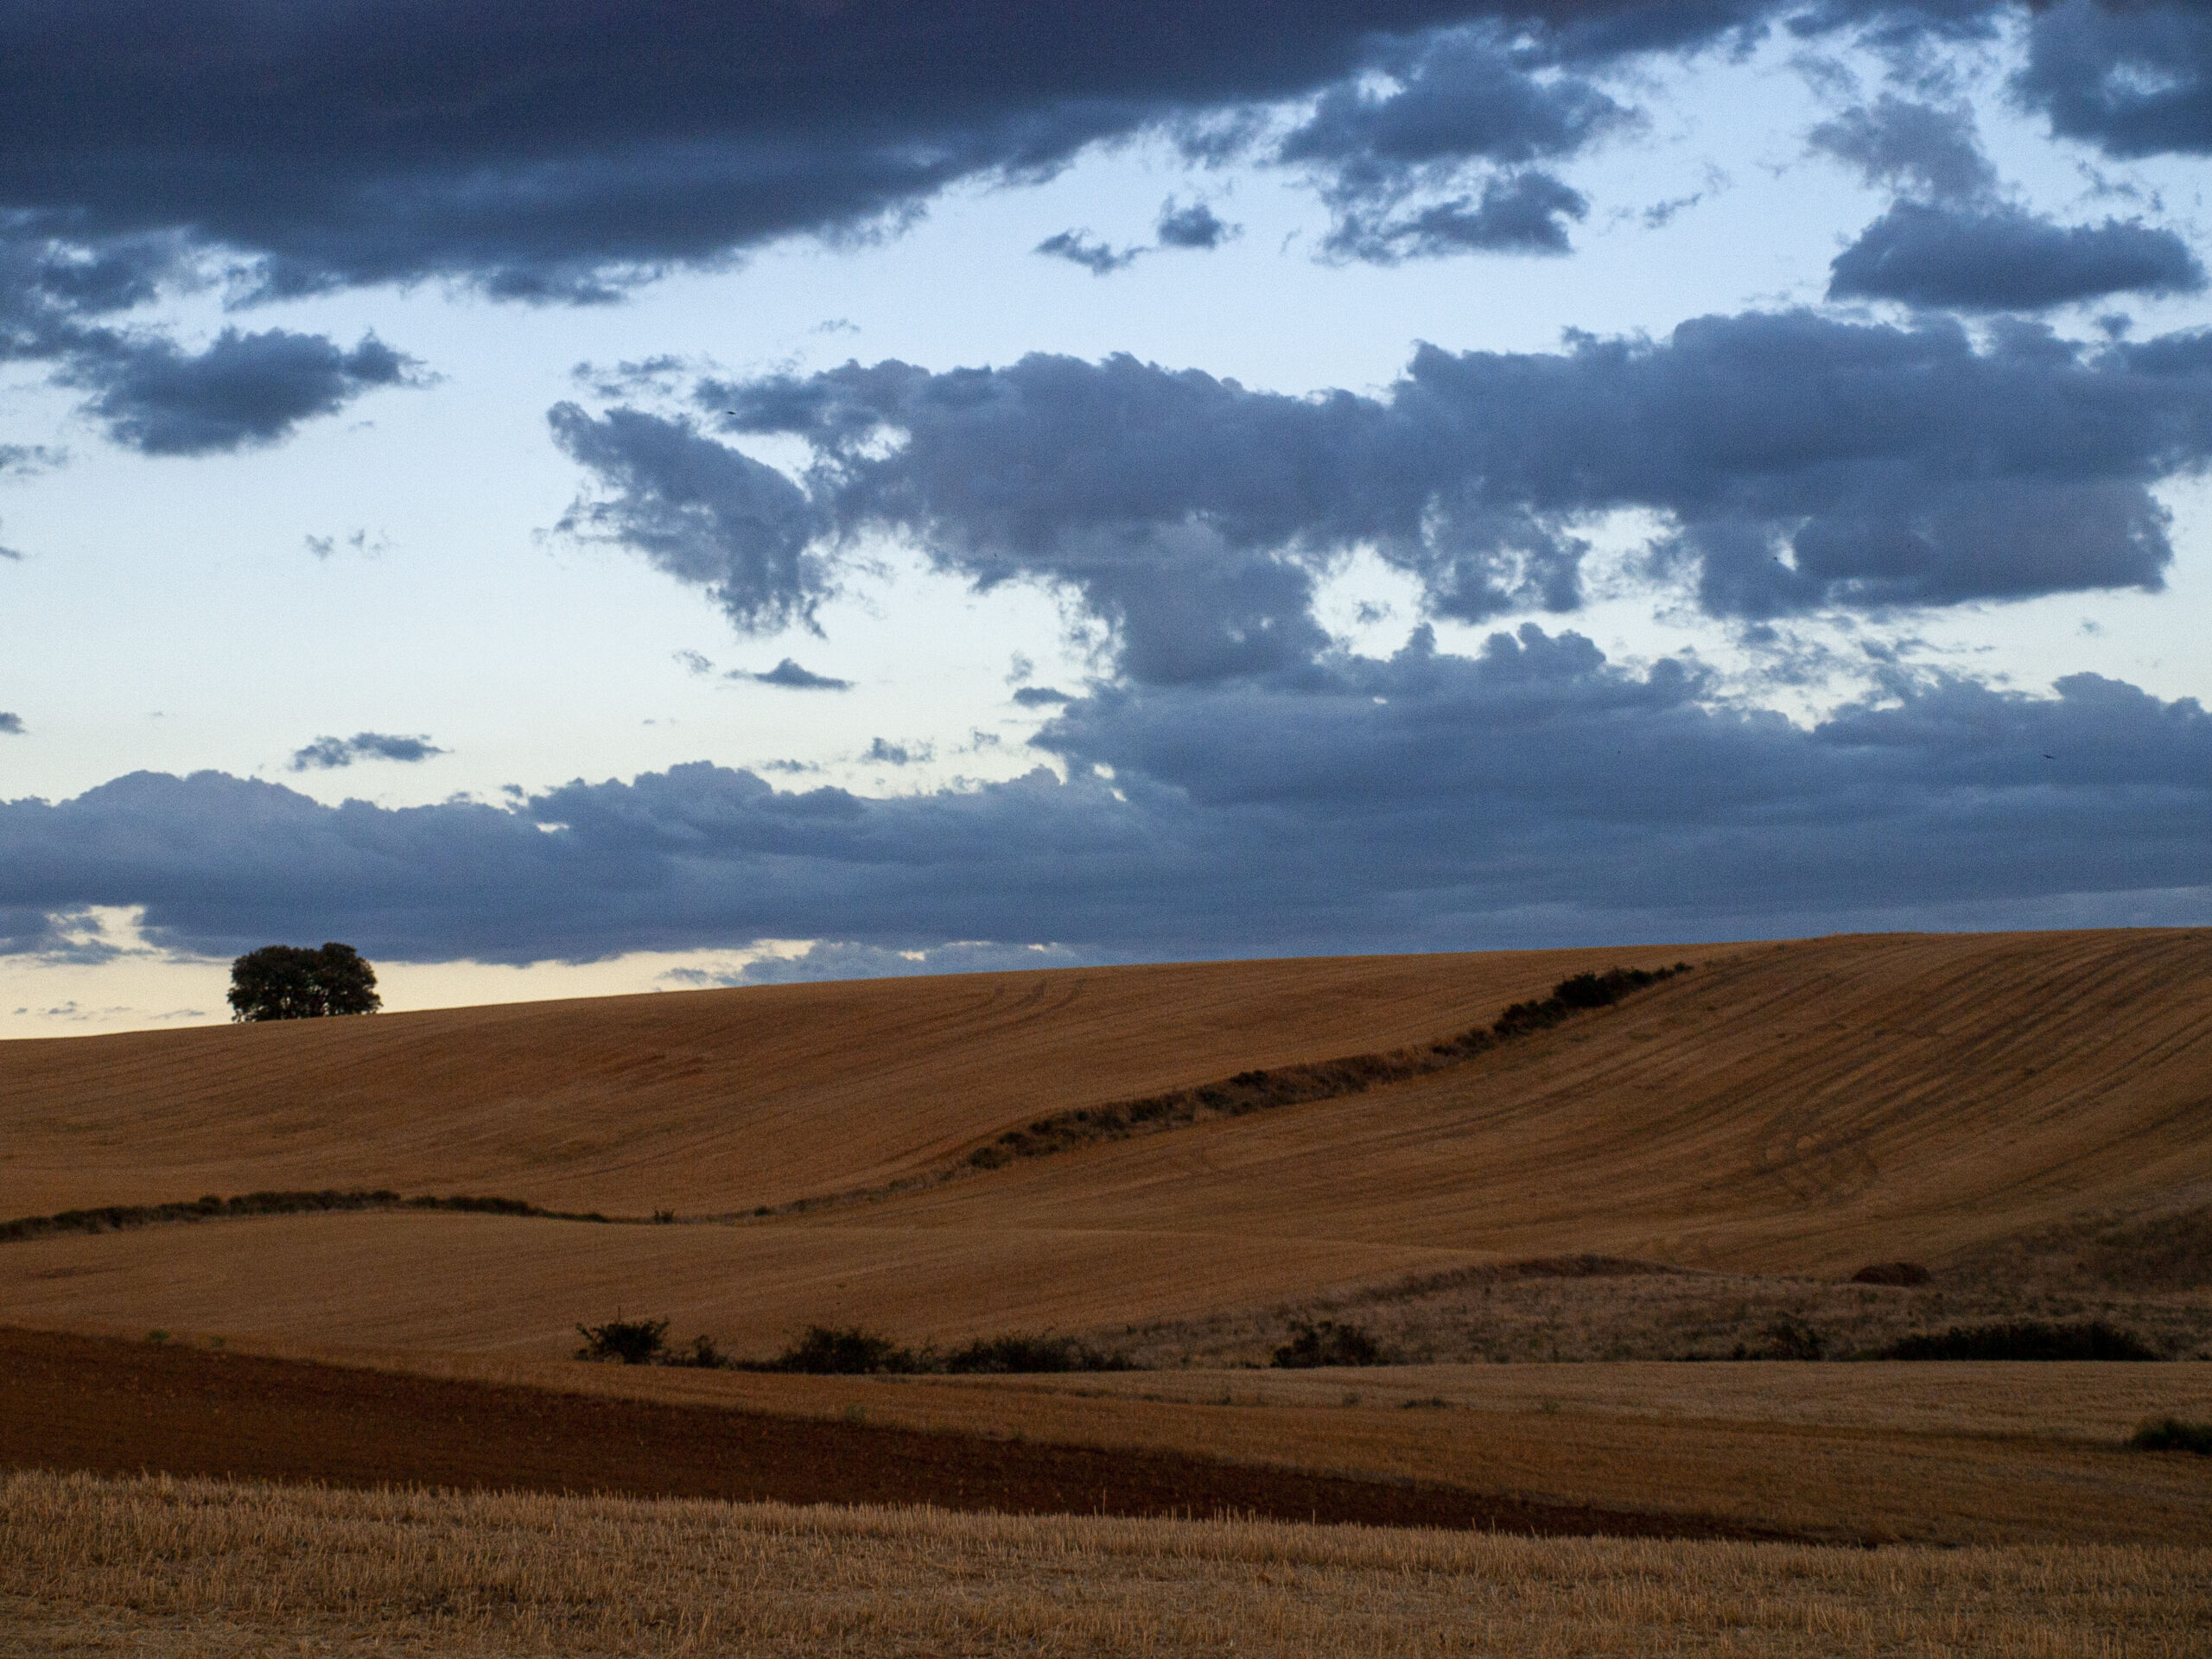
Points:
(290, 981)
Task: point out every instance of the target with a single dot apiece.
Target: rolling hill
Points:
(713, 1101)
(1789, 1110)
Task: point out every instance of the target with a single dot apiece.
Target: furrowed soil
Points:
(111, 1407)
(1951, 1454)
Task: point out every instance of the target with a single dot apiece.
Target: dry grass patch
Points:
(157, 1566)
(1583, 1307)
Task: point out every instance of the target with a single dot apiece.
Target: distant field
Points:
(160, 1567)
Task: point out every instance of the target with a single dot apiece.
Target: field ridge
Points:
(1259, 1088)
(127, 1217)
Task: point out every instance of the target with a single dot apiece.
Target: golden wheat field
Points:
(700, 1100)
(156, 1566)
(2027, 1117)
(1789, 1111)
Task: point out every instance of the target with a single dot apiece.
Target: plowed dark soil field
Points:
(117, 1408)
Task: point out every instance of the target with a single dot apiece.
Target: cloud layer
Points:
(555, 154)
(561, 154)
(565, 156)
(2007, 260)
(2133, 79)
(65, 303)
(332, 754)
(1793, 462)
(1533, 790)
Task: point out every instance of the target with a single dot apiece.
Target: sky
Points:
(624, 497)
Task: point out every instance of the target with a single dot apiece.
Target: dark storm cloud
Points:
(1041, 696)
(241, 390)
(11, 724)
(329, 754)
(2133, 79)
(53, 293)
(563, 154)
(59, 304)
(886, 753)
(1953, 242)
(1387, 161)
(1919, 148)
(24, 931)
(559, 153)
(1795, 461)
(1523, 212)
(698, 510)
(2003, 259)
(789, 675)
(1195, 227)
(1078, 248)
(1535, 791)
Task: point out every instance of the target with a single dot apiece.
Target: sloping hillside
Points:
(705, 1100)
(1793, 1111)
(1802, 1108)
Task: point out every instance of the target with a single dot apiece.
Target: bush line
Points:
(122, 1217)
(1296, 1085)
(2172, 1435)
(2037, 1339)
(825, 1350)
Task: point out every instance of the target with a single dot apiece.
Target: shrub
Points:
(633, 1342)
(1326, 1343)
(851, 1352)
(1904, 1274)
(2024, 1339)
(1576, 993)
(701, 1355)
(1006, 1355)
(2172, 1435)
(1790, 1338)
(1583, 991)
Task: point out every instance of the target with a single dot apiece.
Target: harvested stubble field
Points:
(701, 1101)
(1784, 1113)
(2028, 1115)
(1953, 1454)
(160, 1566)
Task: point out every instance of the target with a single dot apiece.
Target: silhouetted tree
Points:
(290, 981)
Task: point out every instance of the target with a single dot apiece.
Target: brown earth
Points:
(697, 1101)
(2034, 1110)
(112, 1408)
(1789, 1111)
(1943, 1454)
